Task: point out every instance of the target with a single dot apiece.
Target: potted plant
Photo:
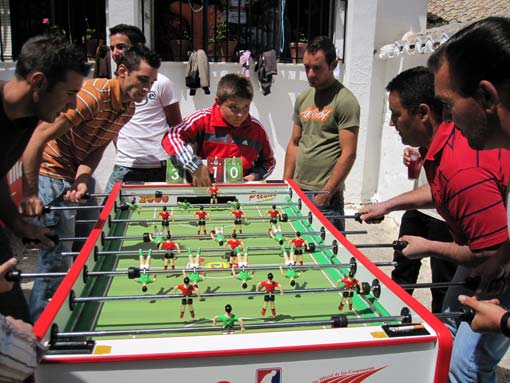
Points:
(297, 48)
(223, 43)
(90, 40)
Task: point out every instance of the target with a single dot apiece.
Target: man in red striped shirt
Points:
(72, 147)
(225, 130)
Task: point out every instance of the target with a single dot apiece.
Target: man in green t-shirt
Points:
(322, 147)
(228, 319)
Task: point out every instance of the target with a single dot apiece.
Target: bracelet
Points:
(503, 324)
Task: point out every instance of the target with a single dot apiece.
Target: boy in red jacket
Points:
(225, 130)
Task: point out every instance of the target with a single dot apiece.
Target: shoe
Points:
(263, 312)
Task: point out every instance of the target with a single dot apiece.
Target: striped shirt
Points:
(214, 137)
(97, 119)
(468, 188)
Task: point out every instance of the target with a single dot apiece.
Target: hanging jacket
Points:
(197, 72)
(245, 60)
(266, 69)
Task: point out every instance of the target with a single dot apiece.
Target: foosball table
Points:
(305, 304)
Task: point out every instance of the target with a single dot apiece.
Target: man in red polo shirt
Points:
(467, 188)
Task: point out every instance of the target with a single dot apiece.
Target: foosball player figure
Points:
(193, 265)
(214, 190)
(218, 236)
(349, 283)
(158, 238)
(202, 215)
(165, 219)
(269, 286)
(145, 265)
(229, 319)
(236, 247)
(298, 244)
(238, 217)
(235, 204)
(290, 273)
(187, 290)
(169, 247)
(133, 206)
(274, 215)
(243, 275)
(276, 233)
(185, 206)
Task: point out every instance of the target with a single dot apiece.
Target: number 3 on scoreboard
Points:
(173, 175)
(234, 170)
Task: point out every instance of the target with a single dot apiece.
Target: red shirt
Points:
(214, 190)
(298, 242)
(468, 188)
(270, 286)
(233, 243)
(187, 291)
(273, 213)
(237, 213)
(169, 245)
(164, 214)
(216, 138)
(201, 214)
(349, 284)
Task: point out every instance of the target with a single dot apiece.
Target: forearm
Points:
(89, 164)
(290, 161)
(340, 172)
(459, 254)
(419, 198)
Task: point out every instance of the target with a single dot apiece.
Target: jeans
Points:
(122, 173)
(62, 222)
(474, 356)
(335, 208)
(407, 270)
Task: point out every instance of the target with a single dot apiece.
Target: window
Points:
(224, 27)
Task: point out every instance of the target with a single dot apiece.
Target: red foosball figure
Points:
(236, 247)
(165, 219)
(270, 286)
(298, 243)
(169, 246)
(202, 215)
(349, 283)
(187, 290)
(238, 219)
(274, 215)
(214, 190)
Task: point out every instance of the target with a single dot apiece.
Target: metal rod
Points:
(205, 295)
(437, 285)
(194, 236)
(148, 331)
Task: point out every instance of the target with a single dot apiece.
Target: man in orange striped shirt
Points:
(72, 148)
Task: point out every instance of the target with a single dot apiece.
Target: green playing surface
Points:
(164, 313)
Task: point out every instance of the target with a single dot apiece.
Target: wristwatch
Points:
(503, 324)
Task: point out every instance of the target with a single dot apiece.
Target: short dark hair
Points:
(132, 57)
(325, 44)
(234, 85)
(134, 34)
(480, 51)
(52, 55)
(415, 86)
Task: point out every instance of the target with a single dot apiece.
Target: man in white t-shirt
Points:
(140, 156)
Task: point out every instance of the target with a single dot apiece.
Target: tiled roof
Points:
(445, 11)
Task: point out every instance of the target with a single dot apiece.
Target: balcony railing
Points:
(223, 28)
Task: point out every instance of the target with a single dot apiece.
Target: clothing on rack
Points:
(266, 69)
(245, 60)
(197, 72)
